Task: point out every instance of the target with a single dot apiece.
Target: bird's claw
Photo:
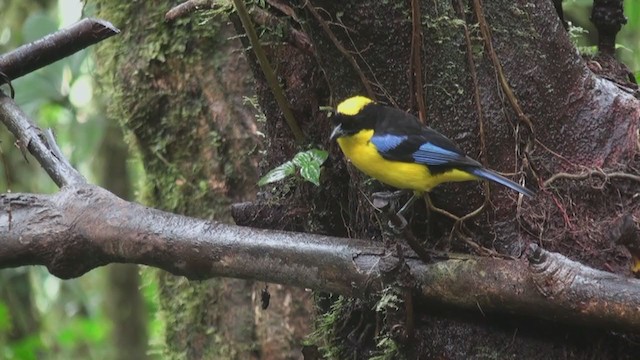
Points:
(383, 198)
(397, 223)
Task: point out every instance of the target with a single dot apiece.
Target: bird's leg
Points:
(383, 198)
(416, 196)
(401, 222)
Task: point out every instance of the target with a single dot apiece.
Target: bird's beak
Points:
(337, 132)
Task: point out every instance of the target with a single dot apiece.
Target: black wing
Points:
(399, 136)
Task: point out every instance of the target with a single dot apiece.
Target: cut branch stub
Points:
(608, 17)
(54, 47)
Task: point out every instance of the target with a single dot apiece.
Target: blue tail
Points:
(490, 175)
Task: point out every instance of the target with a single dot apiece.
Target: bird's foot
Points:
(397, 223)
(383, 198)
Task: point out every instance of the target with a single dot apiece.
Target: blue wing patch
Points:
(387, 142)
(431, 154)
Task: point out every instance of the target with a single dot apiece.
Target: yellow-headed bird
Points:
(392, 146)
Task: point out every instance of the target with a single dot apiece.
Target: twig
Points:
(188, 7)
(6, 80)
(267, 70)
(440, 211)
(486, 35)
(32, 138)
(5, 168)
(294, 36)
(376, 83)
(416, 59)
(588, 174)
(51, 48)
(476, 94)
(341, 48)
(284, 8)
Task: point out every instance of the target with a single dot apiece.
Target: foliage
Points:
(324, 336)
(390, 300)
(307, 162)
(388, 349)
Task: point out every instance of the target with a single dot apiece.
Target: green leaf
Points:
(311, 174)
(309, 163)
(278, 173)
(316, 156)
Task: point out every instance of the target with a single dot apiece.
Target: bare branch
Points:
(32, 138)
(54, 47)
(83, 227)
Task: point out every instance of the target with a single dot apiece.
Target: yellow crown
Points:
(353, 105)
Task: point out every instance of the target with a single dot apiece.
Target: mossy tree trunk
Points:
(178, 90)
(569, 121)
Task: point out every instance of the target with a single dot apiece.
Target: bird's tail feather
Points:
(490, 175)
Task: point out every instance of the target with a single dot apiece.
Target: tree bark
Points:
(527, 105)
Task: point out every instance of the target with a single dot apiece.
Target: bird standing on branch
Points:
(392, 146)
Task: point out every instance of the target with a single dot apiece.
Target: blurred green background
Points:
(42, 317)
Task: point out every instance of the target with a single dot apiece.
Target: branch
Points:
(83, 227)
(41, 146)
(54, 47)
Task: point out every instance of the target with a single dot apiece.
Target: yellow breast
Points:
(402, 175)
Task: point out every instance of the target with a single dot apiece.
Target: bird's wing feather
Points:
(427, 147)
(387, 142)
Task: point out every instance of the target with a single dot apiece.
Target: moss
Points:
(154, 72)
(446, 76)
(347, 329)
(324, 336)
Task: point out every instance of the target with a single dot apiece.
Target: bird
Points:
(393, 147)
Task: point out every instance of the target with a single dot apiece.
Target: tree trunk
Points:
(542, 113)
(178, 89)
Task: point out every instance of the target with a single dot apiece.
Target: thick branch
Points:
(54, 47)
(32, 138)
(84, 227)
